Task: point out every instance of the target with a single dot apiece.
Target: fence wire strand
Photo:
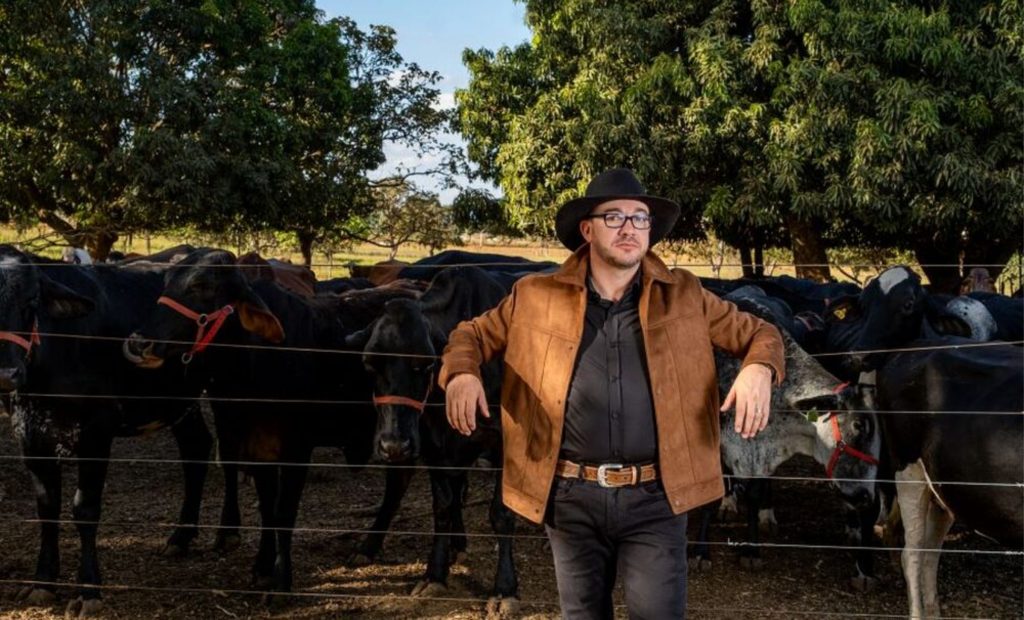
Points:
(306, 594)
(487, 470)
(292, 349)
(734, 544)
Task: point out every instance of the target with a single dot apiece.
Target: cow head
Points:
(202, 294)
(27, 298)
(801, 422)
(892, 311)
(399, 352)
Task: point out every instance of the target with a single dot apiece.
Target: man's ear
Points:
(60, 302)
(586, 226)
(257, 318)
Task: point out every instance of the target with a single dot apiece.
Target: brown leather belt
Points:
(609, 474)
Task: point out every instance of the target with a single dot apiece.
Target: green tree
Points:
(404, 214)
(801, 124)
(119, 116)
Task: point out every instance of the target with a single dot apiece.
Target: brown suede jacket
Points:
(539, 327)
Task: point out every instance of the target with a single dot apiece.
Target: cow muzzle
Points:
(139, 351)
(394, 449)
(11, 379)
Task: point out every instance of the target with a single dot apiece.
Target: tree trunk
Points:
(940, 258)
(808, 251)
(306, 247)
(747, 261)
(99, 245)
(759, 260)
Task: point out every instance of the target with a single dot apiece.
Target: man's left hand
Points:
(751, 392)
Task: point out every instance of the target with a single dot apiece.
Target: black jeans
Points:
(596, 533)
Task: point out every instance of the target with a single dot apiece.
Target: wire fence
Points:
(506, 265)
(416, 467)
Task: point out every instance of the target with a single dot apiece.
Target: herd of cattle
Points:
(909, 400)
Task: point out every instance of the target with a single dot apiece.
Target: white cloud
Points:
(445, 101)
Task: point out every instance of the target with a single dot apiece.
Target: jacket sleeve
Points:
(473, 343)
(744, 335)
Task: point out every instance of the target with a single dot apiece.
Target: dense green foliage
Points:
(806, 124)
(126, 115)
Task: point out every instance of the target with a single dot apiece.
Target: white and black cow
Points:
(815, 415)
(892, 311)
(954, 460)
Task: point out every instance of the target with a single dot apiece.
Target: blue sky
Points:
(433, 34)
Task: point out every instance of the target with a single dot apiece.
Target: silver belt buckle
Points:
(602, 473)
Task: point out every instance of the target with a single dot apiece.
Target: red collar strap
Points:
(841, 446)
(33, 338)
(209, 324)
(418, 405)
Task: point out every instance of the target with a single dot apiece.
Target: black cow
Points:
(400, 351)
(207, 300)
(799, 294)
(427, 268)
(953, 460)
(73, 393)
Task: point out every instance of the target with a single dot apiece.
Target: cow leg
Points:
(938, 523)
(750, 554)
(396, 483)
(228, 537)
(46, 480)
(265, 478)
(92, 476)
(459, 542)
(861, 532)
(913, 496)
(293, 480)
(701, 548)
(194, 443)
(441, 490)
(505, 601)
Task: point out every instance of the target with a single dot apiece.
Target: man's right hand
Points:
(464, 396)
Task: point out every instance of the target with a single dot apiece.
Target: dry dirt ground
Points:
(141, 499)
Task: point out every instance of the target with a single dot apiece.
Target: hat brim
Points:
(567, 221)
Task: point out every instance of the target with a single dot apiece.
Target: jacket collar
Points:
(574, 270)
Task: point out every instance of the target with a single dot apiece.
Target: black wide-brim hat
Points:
(614, 184)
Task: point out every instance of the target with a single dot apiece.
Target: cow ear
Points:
(842, 309)
(60, 302)
(357, 340)
(438, 338)
(945, 322)
(257, 318)
(260, 321)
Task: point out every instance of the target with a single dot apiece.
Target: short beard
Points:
(615, 261)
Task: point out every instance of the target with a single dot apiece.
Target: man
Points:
(609, 399)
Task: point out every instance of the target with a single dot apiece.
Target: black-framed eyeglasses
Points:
(614, 219)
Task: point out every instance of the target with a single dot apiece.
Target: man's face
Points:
(622, 248)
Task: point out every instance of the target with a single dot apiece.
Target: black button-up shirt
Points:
(609, 417)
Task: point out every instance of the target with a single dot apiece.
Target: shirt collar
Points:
(632, 289)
